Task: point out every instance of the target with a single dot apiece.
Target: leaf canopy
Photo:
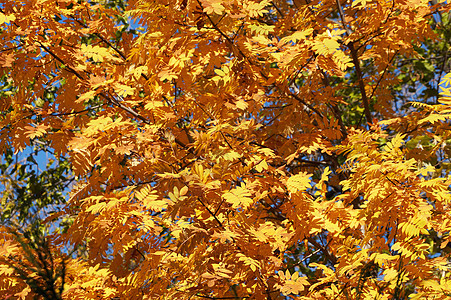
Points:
(224, 149)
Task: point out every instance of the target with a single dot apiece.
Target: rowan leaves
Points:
(227, 149)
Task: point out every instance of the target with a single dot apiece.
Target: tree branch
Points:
(355, 60)
(69, 68)
(328, 255)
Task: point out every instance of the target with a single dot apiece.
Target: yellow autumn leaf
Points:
(6, 18)
(299, 182)
(239, 197)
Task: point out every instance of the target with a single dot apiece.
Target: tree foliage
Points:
(224, 149)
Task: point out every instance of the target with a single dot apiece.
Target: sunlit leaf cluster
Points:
(223, 149)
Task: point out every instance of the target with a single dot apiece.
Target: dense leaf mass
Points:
(224, 149)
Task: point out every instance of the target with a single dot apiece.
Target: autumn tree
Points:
(221, 149)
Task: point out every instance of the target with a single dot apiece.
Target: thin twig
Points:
(211, 213)
(69, 68)
(76, 112)
(335, 110)
(328, 255)
(383, 73)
